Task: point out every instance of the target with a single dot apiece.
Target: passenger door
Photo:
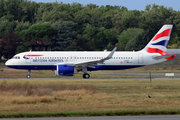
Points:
(140, 58)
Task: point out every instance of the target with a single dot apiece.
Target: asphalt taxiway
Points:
(155, 76)
(137, 74)
(147, 117)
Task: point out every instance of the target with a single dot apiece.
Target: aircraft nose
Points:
(7, 63)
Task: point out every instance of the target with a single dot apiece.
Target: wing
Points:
(90, 64)
(95, 62)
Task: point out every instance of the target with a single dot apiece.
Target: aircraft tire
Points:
(28, 76)
(86, 76)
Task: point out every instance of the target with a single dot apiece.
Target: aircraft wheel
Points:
(28, 76)
(86, 76)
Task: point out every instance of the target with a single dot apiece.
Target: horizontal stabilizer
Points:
(162, 57)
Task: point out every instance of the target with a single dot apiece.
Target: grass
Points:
(102, 95)
(77, 95)
(92, 113)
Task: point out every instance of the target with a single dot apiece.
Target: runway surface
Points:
(138, 74)
(147, 117)
(86, 79)
(155, 76)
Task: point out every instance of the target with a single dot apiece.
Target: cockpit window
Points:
(16, 57)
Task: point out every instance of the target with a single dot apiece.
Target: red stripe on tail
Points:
(163, 34)
(171, 57)
(155, 50)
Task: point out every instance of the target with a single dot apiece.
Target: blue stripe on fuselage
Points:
(54, 67)
(33, 67)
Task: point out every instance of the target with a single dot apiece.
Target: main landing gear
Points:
(85, 75)
(28, 75)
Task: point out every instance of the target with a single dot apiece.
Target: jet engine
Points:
(64, 70)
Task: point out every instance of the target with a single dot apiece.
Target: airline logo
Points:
(159, 43)
(165, 33)
(28, 56)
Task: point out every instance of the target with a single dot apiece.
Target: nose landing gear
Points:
(28, 75)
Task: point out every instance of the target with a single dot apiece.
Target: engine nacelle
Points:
(64, 70)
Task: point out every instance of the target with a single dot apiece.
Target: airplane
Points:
(68, 63)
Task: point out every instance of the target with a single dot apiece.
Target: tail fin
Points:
(159, 42)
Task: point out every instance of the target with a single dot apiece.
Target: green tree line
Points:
(57, 26)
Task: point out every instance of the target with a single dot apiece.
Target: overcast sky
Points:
(130, 4)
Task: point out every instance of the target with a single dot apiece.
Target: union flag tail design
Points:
(159, 42)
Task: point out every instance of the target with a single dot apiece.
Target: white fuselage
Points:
(49, 60)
